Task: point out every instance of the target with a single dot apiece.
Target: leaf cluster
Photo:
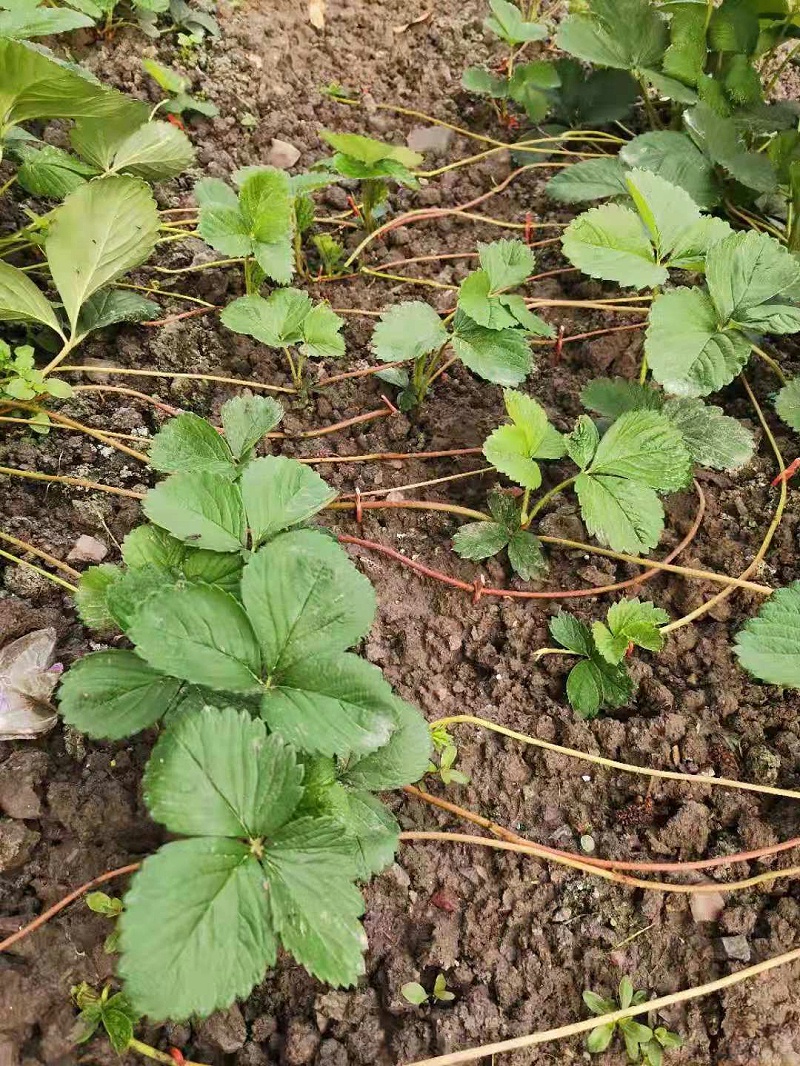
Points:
(367, 159)
(414, 993)
(20, 380)
(180, 100)
(642, 1044)
(113, 1013)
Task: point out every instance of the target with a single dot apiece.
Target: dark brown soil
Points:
(518, 940)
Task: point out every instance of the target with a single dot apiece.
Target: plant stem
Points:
(771, 363)
(250, 286)
(548, 496)
(63, 479)
(652, 117)
(643, 371)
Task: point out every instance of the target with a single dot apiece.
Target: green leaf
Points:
(110, 306)
(213, 568)
(279, 493)
(590, 99)
(670, 88)
(594, 683)
(627, 34)
(267, 205)
(221, 223)
(625, 515)
(644, 446)
(772, 318)
(414, 993)
(305, 598)
(572, 633)
(686, 56)
(719, 138)
(480, 540)
(167, 79)
(599, 1038)
(368, 150)
(50, 172)
(127, 594)
(530, 86)
(203, 509)
(712, 438)
(733, 27)
(589, 179)
(526, 556)
(610, 646)
(525, 318)
(156, 151)
(217, 773)
(609, 242)
(246, 420)
(276, 321)
(408, 331)
(96, 140)
(112, 694)
(101, 231)
(500, 356)
(694, 243)
(195, 932)
(746, 270)
(483, 82)
(507, 22)
(401, 761)
(768, 646)
(21, 300)
(675, 158)
(100, 903)
(582, 442)
(787, 404)
(507, 450)
(666, 210)
(331, 705)
(321, 333)
(307, 861)
(475, 300)
(26, 21)
(596, 1004)
(198, 633)
(686, 350)
(90, 599)
(507, 263)
(512, 449)
(119, 1018)
(189, 443)
(637, 623)
(374, 832)
(152, 546)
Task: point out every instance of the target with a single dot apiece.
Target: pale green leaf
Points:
(507, 22)
(267, 205)
(195, 932)
(670, 88)
(478, 80)
(637, 622)
(480, 540)
(97, 139)
(768, 646)
(28, 21)
(315, 907)
(746, 270)
(589, 179)
(772, 318)
(627, 516)
(278, 493)
(189, 443)
(475, 300)
(686, 351)
(331, 705)
(276, 321)
(401, 761)
(599, 1038)
(646, 447)
(90, 599)
(321, 333)
(571, 633)
(674, 157)
(582, 441)
(151, 546)
(666, 210)
(609, 242)
(246, 420)
(156, 151)
(368, 150)
(127, 594)
(22, 301)
(712, 438)
(408, 331)
(508, 451)
(101, 231)
(527, 319)
(200, 634)
(202, 509)
(610, 646)
(112, 694)
(305, 598)
(693, 244)
(217, 773)
(541, 440)
(787, 404)
(627, 34)
(500, 356)
(507, 263)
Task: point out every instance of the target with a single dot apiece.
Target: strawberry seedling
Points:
(413, 992)
(179, 101)
(643, 1045)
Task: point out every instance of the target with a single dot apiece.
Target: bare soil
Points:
(517, 940)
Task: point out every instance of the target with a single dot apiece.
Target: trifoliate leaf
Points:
(321, 333)
(768, 646)
(610, 647)
(90, 599)
(512, 449)
(305, 599)
(631, 621)
(331, 705)
(408, 331)
(196, 932)
(308, 863)
(112, 694)
(582, 441)
(645, 447)
(476, 300)
(787, 404)
(627, 516)
(480, 540)
(686, 350)
(204, 510)
(507, 22)
(627, 34)
(190, 443)
(609, 242)
(247, 420)
(401, 761)
(594, 683)
(589, 179)
(526, 556)
(712, 438)
(666, 210)
(217, 773)
(276, 321)
(746, 270)
(503, 508)
(719, 138)
(507, 263)
(571, 633)
(201, 634)
(674, 157)
(279, 493)
(500, 356)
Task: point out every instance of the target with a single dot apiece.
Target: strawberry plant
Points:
(179, 101)
(276, 737)
(643, 1045)
(289, 321)
(490, 327)
(372, 163)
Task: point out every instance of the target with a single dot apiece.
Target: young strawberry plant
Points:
(276, 736)
(643, 1045)
(490, 327)
(289, 321)
(179, 101)
(372, 163)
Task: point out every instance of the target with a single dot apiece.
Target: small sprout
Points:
(20, 380)
(444, 744)
(108, 906)
(414, 993)
(643, 1045)
(440, 990)
(113, 1012)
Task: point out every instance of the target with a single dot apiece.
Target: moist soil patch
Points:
(517, 940)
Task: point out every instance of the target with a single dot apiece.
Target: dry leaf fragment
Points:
(27, 680)
(414, 22)
(316, 13)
